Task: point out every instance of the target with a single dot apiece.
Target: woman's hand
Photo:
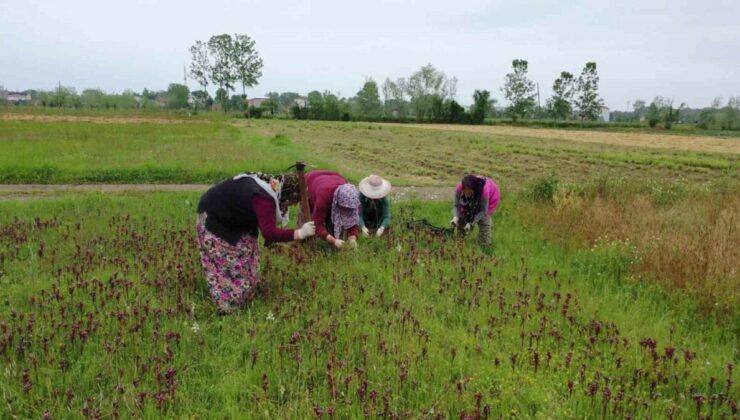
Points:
(365, 231)
(380, 231)
(308, 229)
(338, 243)
(352, 242)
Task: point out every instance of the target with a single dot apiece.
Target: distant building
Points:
(300, 102)
(16, 97)
(605, 113)
(256, 102)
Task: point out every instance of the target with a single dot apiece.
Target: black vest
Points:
(229, 209)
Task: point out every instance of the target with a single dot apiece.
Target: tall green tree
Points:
(334, 108)
(456, 113)
(368, 100)
(559, 105)
(394, 98)
(655, 111)
(671, 114)
(519, 90)
(731, 113)
(588, 103)
(223, 71)
(177, 96)
(246, 61)
(201, 99)
(200, 64)
(423, 87)
(92, 98)
(315, 105)
(481, 106)
(222, 98)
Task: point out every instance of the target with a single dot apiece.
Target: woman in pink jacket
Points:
(476, 199)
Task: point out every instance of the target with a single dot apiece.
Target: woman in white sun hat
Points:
(375, 204)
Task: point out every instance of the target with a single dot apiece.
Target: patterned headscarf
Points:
(345, 208)
(289, 190)
(283, 188)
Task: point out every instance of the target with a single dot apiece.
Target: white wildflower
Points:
(195, 328)
(270, 316)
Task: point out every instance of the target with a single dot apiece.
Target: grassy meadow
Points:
(611, 290)
(135, 152)
(105, 313)
(129, 149)
(439, 155)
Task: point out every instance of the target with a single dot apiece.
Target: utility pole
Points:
(538, 96)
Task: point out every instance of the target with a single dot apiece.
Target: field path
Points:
(634, 139)
(24, 192)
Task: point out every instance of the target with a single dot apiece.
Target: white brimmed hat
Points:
(374, 187)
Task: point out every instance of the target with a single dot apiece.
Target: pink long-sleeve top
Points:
(490, 199)
(321, 187)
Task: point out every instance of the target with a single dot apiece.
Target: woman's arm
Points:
(264, 209)
(320, 209)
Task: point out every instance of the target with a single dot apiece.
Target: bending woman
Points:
(335, 204)
(375, 203)
(476, 199)
(230, 216)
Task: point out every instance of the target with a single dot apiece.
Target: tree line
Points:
(665, 113)
(177, 96)
(427, 95)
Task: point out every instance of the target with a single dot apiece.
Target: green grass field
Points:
(136, 151)
(105, 312)
(414, 156)
(68, 152)
(611, 290)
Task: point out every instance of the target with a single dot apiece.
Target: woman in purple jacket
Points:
(230, 216)
(476, 199)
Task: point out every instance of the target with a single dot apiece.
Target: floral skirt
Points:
(232, 271)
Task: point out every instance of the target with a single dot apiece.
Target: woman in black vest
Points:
(230, 216)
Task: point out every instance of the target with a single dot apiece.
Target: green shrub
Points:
(544, 189)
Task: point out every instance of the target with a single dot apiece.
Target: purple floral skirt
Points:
(232, 271)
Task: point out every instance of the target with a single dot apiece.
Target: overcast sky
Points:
(688, 50)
